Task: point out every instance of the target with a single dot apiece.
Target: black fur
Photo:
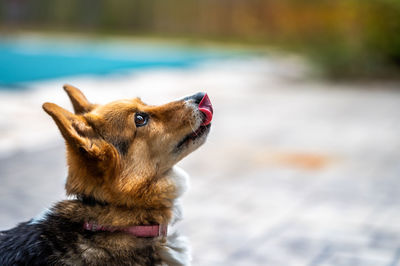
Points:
(86, 200)
(58, 241)
(37, 244)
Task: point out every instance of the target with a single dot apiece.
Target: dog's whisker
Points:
(191, 126)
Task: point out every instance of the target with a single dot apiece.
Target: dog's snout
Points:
(204, 106)
(196, 97)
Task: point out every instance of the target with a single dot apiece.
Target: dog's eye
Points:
(141, 119)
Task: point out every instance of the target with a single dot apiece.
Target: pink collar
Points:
(136, 230)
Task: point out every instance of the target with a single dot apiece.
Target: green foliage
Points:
(367, 46)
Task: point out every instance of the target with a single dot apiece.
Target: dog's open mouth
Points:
(205, 107)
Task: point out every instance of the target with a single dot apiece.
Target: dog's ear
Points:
(79, 102)
(75, 130)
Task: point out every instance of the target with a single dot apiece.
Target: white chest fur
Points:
(176, 250)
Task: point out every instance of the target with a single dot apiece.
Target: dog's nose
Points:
(196, 97)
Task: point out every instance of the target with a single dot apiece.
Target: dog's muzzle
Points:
(204, 105)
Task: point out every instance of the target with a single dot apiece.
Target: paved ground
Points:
(295, 172)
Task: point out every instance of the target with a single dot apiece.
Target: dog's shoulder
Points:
(23, 244)
(38, 241)
(56, 240)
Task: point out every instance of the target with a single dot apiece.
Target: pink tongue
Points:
(205, 107)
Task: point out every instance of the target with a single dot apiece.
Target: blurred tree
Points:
(347, 37)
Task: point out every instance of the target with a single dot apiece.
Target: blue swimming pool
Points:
(29, 59)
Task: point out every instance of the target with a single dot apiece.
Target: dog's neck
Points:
(176, 175)
(107, 214)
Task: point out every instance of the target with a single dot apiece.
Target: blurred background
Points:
(303, 160)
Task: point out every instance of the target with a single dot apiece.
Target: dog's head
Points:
(119, 152)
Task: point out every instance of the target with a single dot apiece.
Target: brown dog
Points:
(121, 159)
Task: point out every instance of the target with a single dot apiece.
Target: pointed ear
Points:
(79, 102)
(75, 130)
